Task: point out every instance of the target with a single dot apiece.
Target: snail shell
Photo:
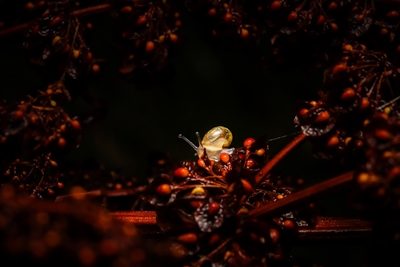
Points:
(215, 141)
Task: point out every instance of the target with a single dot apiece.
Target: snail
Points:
(215, 141)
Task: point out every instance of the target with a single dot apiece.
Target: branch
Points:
(304, 196)
(80, 12)
(278, 157)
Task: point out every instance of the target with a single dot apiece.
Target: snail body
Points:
(215, 141)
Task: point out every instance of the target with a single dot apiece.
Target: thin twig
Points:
(278, 157)
(80, 12)
(304, 196)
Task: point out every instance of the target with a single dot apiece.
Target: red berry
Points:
(248, 142)
(225, 157)
(213, 207)
(181, 172)
(164, 189)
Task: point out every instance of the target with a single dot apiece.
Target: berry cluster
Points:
(378, 184)
(205, 205)
(14, 12)
(55, 41)
(150, 33)
(75, 233)
(353, 90)
(232, 21)
(37, 125)
(38, 177)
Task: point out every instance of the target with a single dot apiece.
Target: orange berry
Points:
(75, 124)
(347, 47)
(248, 142)
(18, 114)
(260, 152)
(196, 203)
(141, 20)
(274, 234)
(292, 16)
(164, 189)
(228, 17)
(250, 162)
(321, 20)
(89, 57)
(173, 38)
(384, 31)
(181, 172)
(149, 46)
(244, 33)
(392, 14)
(323, 117)
(348, 94)
(275, 5)
(95, 68)
(55, 40)
(333, 141)
(214, 239)
(201, 163)
(364, 103)
(61, 142)
(76, 53)
(188, 238)
(383, 134)
(332, 5)
(289, 224)
(303, 112)
(225, 157)
(213, 207)
(126, 9)
(246, 186)
(360, 18)
(56, 20)
(212, 12)
(334, 27)
(339, 68)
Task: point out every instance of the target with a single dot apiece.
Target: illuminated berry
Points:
(181, 172)
(164, 189)
(246, 186)
(149, 46)
(275, 5)
(244, 33)
(339, 68)
(248, 142)
(348, 94)
(173, 38)
(201, 163)
(292, 16)
(322, 117)
(228, 17)
(333, 141)
(260, 152)
(213, 207)
(61, 142)
(225, 157)
(274, 234)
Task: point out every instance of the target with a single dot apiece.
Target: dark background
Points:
(207, 86)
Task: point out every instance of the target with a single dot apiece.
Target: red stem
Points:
(80, 12)
(304, 196)
(278, 157)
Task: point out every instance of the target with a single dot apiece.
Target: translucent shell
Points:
(218, 137)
